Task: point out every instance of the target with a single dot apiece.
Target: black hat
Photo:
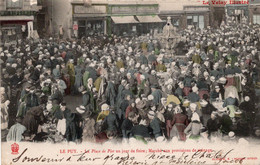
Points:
(63, 104)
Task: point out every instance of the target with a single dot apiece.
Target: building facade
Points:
(254, 12)
(185, 13)
(115, 17)
(17, 19)
(135, 18)
(89, 18)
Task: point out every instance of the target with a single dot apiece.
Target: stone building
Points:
(254, 11)
(184, 13)
(17, 19)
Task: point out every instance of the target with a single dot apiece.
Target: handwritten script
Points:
(198, 157)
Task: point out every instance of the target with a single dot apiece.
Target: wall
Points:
(60, 13)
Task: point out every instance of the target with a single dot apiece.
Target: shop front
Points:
(124, 25)
(254, 13)
(133, 19)
(197, 16)
(90, 20)
(15, 26)
(238, 11)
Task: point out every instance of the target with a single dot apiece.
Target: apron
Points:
(61, 126)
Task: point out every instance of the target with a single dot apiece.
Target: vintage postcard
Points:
(130, 82)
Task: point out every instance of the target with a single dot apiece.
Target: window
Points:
(196, 20)
(10, 4)
(256, 19)
(175, 22)
(201, 21)
(189, 20)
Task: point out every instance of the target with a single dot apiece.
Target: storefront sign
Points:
(149, 9)
(88, 10)
(123, 9)
(196, 8)
(75, 27)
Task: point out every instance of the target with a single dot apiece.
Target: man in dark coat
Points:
(33, 118)
(157, 95)
(36, 74)
(128, 124)
(154, 124)
(225, 123)
(111, 121)
(32, 99)
(213, 125)
(141, 131)
(110, 93)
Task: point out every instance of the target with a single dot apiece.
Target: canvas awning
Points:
(149, 19)
(16, 18)
(124, 19)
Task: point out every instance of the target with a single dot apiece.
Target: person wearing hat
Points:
(105, 110)
(193, 96)
(33, 118)
(141, 83)
(178, 124)
(78, 78)
(152, 60)
(128, 124)
(110, 93)
(21, 107)
(154, 124)
(141, 132)
(132, 83)
(194, 128)
(179, 91)
(193, 108)
(32, 99)
(203, 87)
(56, 72)
(36, 73)
(187, 84)
(225, 122)
(88, 94)
(206, 108)
(143, 60)
(59, 116)
(168, 115)
(88, 125)
(196, 58)
(160, 67)
(71, 73)
(157, 95)
(61, 86)
(131, 108)
(111, 122)
(119, 63)
(213, 125)
(215, 95)
(15, 133)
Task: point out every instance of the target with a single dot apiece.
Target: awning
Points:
(124, 19)
(16, 18)
(149, 19)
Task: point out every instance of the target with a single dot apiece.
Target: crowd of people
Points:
(132, 88)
